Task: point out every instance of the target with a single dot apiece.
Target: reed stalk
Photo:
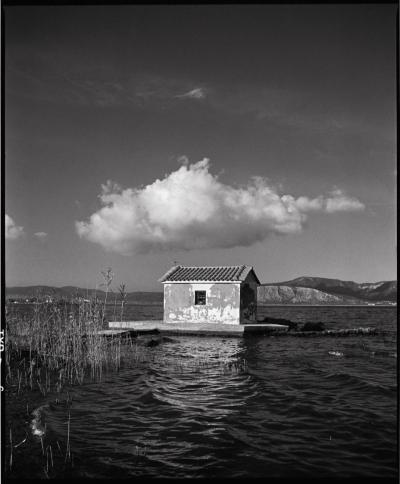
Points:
(59, 448)
(11, 451)
(123, 295)
(68, 450)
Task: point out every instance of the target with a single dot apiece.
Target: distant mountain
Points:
(366, 291)
(302, 290)
(279, 294)
(70, 292)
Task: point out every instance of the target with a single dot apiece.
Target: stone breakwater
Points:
(334, 332)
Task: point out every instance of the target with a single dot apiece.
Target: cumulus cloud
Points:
(41, 235)
(191, 208)
(339, 202)
(12, 231)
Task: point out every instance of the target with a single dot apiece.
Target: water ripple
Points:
(209, 407)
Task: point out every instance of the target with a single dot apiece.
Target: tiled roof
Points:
(207, 274)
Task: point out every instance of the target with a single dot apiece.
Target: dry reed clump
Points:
(52, 346)
(59, 338)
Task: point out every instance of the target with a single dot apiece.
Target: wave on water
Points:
(232, 407)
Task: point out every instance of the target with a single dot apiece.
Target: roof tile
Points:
(207, 274)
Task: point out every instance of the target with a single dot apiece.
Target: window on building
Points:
(200, 297)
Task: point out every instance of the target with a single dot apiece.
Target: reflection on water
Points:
(209, 379)
(232, 407)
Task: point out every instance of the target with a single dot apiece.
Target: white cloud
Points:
(339, 202)
(41, 235)
(12, 231)
(183, 160)
(190, 208)
(197, 93)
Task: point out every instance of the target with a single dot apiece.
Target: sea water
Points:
(257, 406)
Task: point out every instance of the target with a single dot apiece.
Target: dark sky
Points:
(303, 96)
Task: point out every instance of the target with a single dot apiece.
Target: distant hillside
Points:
(277, 294)
(367, 291)
(70, 292)
(302, 290)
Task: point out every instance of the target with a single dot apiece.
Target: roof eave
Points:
(169, 273)
(255, 275)
(201, 282)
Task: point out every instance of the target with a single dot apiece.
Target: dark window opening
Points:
(200, 297)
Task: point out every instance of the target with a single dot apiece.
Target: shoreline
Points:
(261, 305)
(331, 305)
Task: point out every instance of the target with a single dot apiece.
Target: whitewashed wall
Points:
(222, 303)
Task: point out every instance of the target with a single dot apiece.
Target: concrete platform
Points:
(206, 329)
(114, 332)
(135, 328)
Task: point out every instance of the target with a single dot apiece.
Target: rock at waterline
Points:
(165, 339)
(286, 322)
(153, 342)
(313, 326)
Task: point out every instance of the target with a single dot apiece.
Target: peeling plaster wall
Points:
(222, 303)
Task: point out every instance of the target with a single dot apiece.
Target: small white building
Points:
(222, 294)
